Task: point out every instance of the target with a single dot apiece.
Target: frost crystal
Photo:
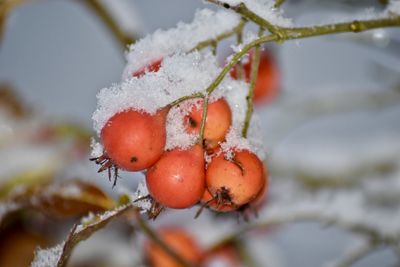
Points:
(47, 257)
(207, 24)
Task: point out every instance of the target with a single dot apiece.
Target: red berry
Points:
(218, 121)
(236, 181)
(177, 179)
(267, 84)
(152, 67)
(135, 140)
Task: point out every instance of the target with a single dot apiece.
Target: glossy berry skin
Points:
(268, 78)
(218, 121)
(152, 67)
(177, 180)
(178, 240)
(242, 177)
(135, 140)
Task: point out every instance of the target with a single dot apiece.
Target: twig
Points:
(203, 118)
(239, 66)
(253, 78)
(123, 38)
(236, 58)
(284, 33)
(184, 98)
(220, 37)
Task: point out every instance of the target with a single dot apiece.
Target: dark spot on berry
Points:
(134, 159)
(192, 122)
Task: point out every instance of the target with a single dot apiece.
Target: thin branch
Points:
(98, 8)
(203, 118)
(239, 66)
(184, 98)
(303, 32)
(155, 238)
(220, 37)
(253, 79)
(248, 14)
(236, 58)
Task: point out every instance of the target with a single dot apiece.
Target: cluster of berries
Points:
(178, 178)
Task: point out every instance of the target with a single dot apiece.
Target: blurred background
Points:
(332, 133)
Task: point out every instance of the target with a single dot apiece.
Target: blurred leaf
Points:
(68, 199)
(73, 198)
(60, 254)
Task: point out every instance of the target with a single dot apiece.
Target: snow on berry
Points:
(207, 24)
(179, 75)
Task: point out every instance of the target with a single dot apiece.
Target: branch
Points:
(253, 78)
(203, 118)
(236, 58)
(184, 98)
(123, 38)
(220, 37)
(303, 32)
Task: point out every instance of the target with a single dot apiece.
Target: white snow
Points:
(265, 9)
(176, 132)
(207, 24)
(180, 75)
(47, 257)
(97, 148)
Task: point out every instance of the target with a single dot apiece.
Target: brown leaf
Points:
(68, 199)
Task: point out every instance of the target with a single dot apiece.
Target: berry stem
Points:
(184, 98)
(253, 78)
(239, 67)
(203, 118)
